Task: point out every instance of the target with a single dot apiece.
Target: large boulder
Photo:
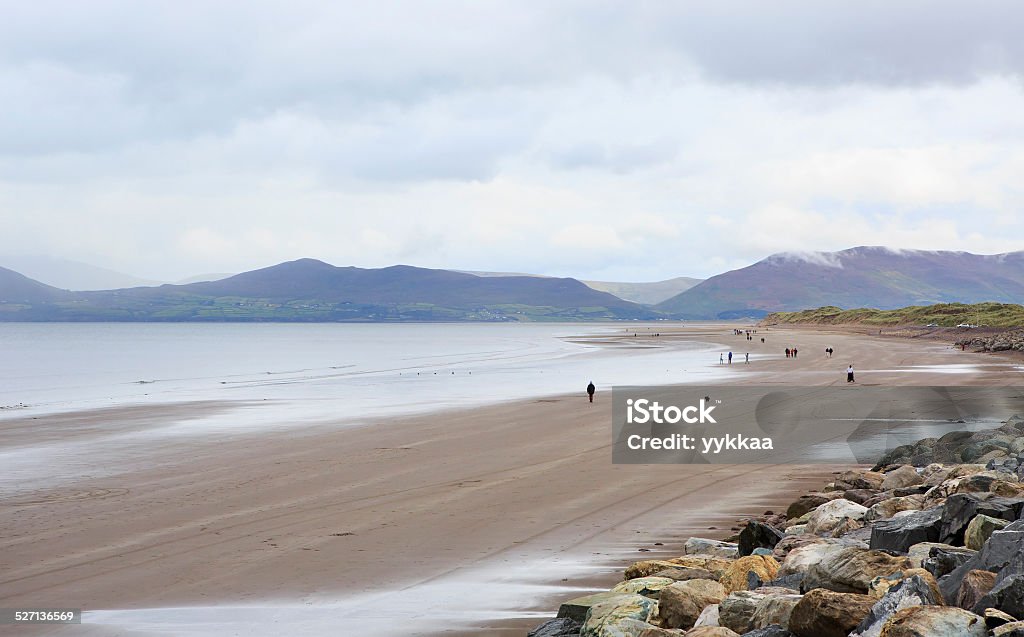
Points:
(900, 533)
(682, 603)
(708, 616)
(823, 613)
(851, 570)
(559, 627)
(1012, 629)
(881, 585)
(683, 573)
(913, 591)
(646, 586)
(576, 609)
(921, 551)
(717, 548)
(774, 610)
(934, 621)
(758, 535)
(1002, 548)
(1007, 595)
(717, 565)
(736, 611)
(900, 477)
(975, 585)
(961, 508)
(623, 616)
(941, 561)
(769, 631)
(749, 572)
(859, 480)
(808, 502)
(980, 529)
(801, 558)
(891, 506)
(826, 517)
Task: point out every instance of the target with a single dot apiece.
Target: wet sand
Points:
(472, 518)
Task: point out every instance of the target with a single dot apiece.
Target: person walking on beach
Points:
(590, 391)
(721, 359)
(747, 356)
(849, 374)
(787, 352)
(730, 358)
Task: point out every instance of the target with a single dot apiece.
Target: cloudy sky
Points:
(614, 140)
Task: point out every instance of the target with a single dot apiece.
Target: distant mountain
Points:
(18, 289)
(645, 293)
(310, 290)
(199, 278)
(71, 275)
(875, 277)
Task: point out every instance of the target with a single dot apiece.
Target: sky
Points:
(595, 139)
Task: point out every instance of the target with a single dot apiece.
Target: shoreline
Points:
(409, 499)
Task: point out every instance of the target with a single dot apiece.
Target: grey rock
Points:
(1003, 549)
(1007, 596)
(942, 561)
(560, 627)
(899, 534)
(961, 508)
(913, 591)
(758, 535)
(769, 631)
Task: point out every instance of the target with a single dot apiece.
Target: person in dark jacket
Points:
(590, 391)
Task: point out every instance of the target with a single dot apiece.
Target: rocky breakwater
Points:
(919, 546)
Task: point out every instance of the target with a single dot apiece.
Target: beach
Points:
(438, 523)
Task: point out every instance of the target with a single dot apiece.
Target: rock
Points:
(682, 603)
(708, 616)
(792, 582)
(749, 572)
(860, 496)
(762, 551)
(851, 570)
(717, 565)
(919, 552)
(717, 548)
(980, 529)
(561, 627)
(913, 591)
(576, 609)
(736, 611)
(905, 476)
(1013, 629)
(848, 526)
(942, 560)
(803, 557)
(882, 584)
(1001, 549)
(934, 621)
(860, 480)
(758, 535)
(974, 586)
(774, 609)
(620, 615)
(769, 631)
(825, 518)
(711, 631)
(660, 632)
(683, 573)
(961, 508)
(807, 502)
(899, 534)
(891, 506)
(823, 613)
(1007, 595)
(796, 529)
(646, 586)
(995, 617)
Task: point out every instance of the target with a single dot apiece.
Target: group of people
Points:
(828, 352)
(721, 358)
(790, 352)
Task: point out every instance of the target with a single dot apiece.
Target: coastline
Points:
(256, 519)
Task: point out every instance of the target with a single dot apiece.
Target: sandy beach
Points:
(482, 512)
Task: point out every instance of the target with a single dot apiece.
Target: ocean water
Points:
(335, 372)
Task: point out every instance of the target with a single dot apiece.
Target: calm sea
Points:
(337, 372)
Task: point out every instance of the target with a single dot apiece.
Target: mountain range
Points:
(311, 290)
(875, 277)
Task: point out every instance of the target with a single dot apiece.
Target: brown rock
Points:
(738, 576)
(683, 573)
(851, 570)
(823, 613)
(681, 603)
(975, 585)
(934, 621)
(711, 631)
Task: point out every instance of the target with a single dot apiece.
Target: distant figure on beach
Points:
(787, 352)
(590, 391)
(794, 352)
(849, 373)
(721, 359)
(730, 358)
(762, 339)
(747, 355)
(828, 352)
